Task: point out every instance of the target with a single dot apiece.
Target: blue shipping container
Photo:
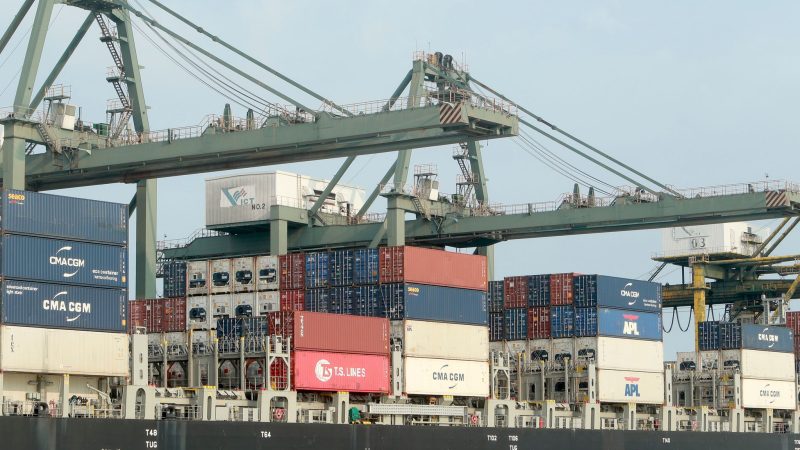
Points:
(496, 327)
(771, 338)
(341, 300)
(436, 303)
(340, 267)
(365, 263)
(585, 322)
(538, 290)
(613, 292)
(229, 328)
(366, 301)
(495, 296)
(62, 306)
(730, 335)
(174, 279)
(50, 215)
(60, 261)
(562, 321)
(708, 335)
(617, 323)
(255, 326)
(516, 324)
(317, 300)
(317, 270)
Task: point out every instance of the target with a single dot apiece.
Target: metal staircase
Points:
(465, 183)
(118, 117)
(49, 142)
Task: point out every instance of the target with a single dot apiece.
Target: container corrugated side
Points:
(342, 300)
(561, 289)
(174, 314)
(61, 261)
(57, 351)
(317, 265)
(423, 376)
(538, 290)
(366, 266)
(68, 218)
(433, 267)
(515, 324)
(495, 297)
(793, 322)
(336, 372)
(624, 386)
(515, 292)
(341, 269)
(175, 279)
(772, 394)
(629, 354)
(496, 327)
(64, 306)
(293, 300)
(366, 301)
(708, 335)
(539, 323)
(292, 271)
(562, 321)
(281, 323)
(766, 365)
(423, 339)
(340, 333)
(317, 300)
(436, 303)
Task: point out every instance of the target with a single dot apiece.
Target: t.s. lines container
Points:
(325, 371)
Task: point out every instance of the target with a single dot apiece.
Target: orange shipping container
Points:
(432, 267)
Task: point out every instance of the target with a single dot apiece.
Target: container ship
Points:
(361, 348)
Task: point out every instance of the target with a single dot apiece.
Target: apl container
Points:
(539, 323)
(267, 273)
(365, 266)
(316, 270)
(494, 298)
(67, 218)
(435, 303)
(538, 290)
(432, 267)
(613, 292)
(62, 306)
(561, 289)
(61, 261)
(515, 292)
(292, 271)
(316, 300)
(562, 321)
(617, 323)
(516, 324)
(496, 328)
(708, 335)
(341, 334)
(340, 268)
(335, 372)
(293, 300)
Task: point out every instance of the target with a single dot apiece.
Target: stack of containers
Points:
(495, 303)
(243, 292)
(159, 315)
(515, 303)
(64, 276)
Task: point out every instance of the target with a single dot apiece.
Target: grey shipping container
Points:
(60, 261)
(613, 292)
(38, 214)
(771, 338)
(60, 306)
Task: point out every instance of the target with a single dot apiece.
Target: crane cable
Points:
(672, 322)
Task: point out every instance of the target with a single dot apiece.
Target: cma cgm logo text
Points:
(59, 304)
(451, 378)
(632, 387)
(237, 196)
(61, 258)
(630, 293)
(766, 336)
(630, 326)
(769, 393)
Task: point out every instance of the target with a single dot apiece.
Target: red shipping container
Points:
(539, 323)
(320, 371)
(340, 333)
(294, 300)
(433, 267)
(137, 313)
(154, 315)
(515, 292)
(174, 314)
(793, 322)
(292, 269)
(561, 288)
(280, 323)
(796, 344)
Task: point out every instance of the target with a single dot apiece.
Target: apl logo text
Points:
(632, 387)
(630, 326)
(60, 259)
(237, 196)
(626, 291)
(76, 309)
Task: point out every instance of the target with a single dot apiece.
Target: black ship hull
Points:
(29, 433)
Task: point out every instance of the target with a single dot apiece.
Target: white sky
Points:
(693, 94)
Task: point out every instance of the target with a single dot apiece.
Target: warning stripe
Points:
(449, 113)
(777, 199)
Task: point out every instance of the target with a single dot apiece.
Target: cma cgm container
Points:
(538, 290)
(342, 334)
(267, 273)
(332, 372)
(561, 289)
(292, 271)
(60, 261)
(516, 324)
(63, 306)
(340, 268)
(316, 270)
(562, 321)
(496, 328)
(435, 303)
(68, 218)
(771, 394)
(432, 267)
(617, 323)
(708, 335)
(539, 323)
(423, 339)
(494, 297)
(759, 364)
(424, 376)
(366, 266)
(515, 292)
(613, 292)
(756, 337)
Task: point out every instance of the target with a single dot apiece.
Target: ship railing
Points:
(32, 408)
(177, 412)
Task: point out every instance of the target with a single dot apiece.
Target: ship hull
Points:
(28, 433)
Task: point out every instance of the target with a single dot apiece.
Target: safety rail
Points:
(431, 58)
(740, 188)
(182, 242)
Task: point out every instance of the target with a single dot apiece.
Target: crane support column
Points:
(395, 223)
(482, 195)
(699, 288)
(278, 233)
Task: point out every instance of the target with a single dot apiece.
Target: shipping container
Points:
(366, 301)
(198, 313)
(709, 360)
(435, 303)
(730, 335)
(708, 335)
(292, 271)
(366, 266)
(561, 288)
(628, 354)
(759, 364)
(432, 267)
(496, 328)
(317, 300)
(340, 268)
(769, 394)
(538, 290)
(337, 372)
(613, 292)
(516, 324)
(220, 276)
(243, 270)
(293, 300)
(585, 322)
(197, 275)
(242, 200)
(515, 292)
(628, 324)
(64, 306)
(281, 323)
(268, 301)
(494, 298)
(623, 386)
(221, 305)
(423, 339)
(539, 323)
(268, 279)
(47, 350)
(562, 321)
(342, 334)
(342, 300)
(424, 376)
(69, 218)
(229, 328)
(771, 338)
(174, 314)
(244, 304)
(174, 279)
(255, 326)
(316, 270)
(61, 261)
(793, 322)
(562, 348)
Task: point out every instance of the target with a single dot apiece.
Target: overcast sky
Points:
(693, 94)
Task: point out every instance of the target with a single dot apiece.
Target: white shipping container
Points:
(760, 364)
(247, 199)
(630, 354)
(45, 350)
(221, 305)
(625, 386)
(445, 340)
(267, 302)
(708, 360)
(244, 304)
(198, 313)
(562, 348)
(734, 238)
(539, 350)
(772, 394)
(197, 274)
(220, 277)
(243, 274)
(267, 273)
(424, 376)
